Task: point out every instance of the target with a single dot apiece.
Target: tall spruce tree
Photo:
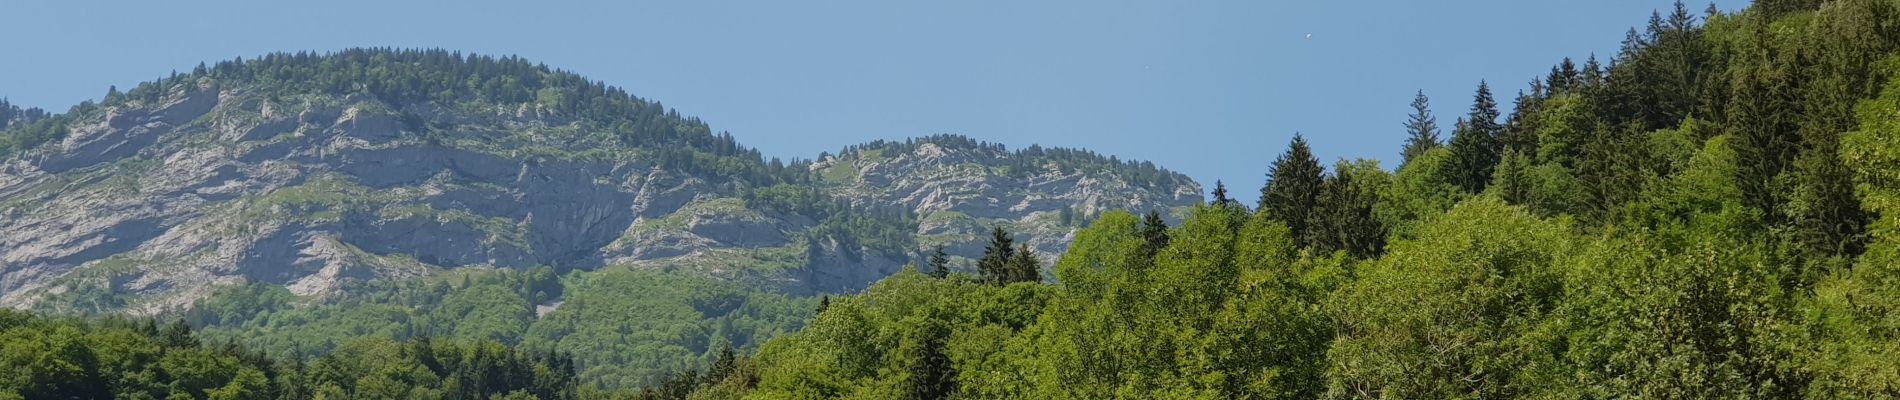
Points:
(1520, 129)
(998, 262)
(1763, 133)
(1475, 144)
(1220, 195)
(939, 263)
(1154, 234)
(1024, 266)
(1421, 128)
(1343, 219)
(1292, 188)
(1592, 74)
(1823, 209)
(1511, 181)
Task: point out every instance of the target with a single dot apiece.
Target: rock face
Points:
(961, 189)
(148, 205)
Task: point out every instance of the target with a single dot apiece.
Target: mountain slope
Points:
(314, 170)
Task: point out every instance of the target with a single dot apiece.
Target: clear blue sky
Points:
(1213, 89)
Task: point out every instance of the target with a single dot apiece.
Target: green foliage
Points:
(1004, 262)
(1293, 188)
(1441, 316)
(1343, 218)
(1716, 215)
(1421, 129)
(48, 358)
(1474, 144)
(618, 341)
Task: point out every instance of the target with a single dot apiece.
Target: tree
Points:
(1519, 132)
(1763, 133)
(1220, 195)
(1154, 233)
(1825, 215)
(177, 335)
(1292, 189)
(997, 264)
(1439, 315)
(1563, 77)
(1511, 181)
(723, 365)
(939, 263)
(1421, 129)
(1025, 267)
(1475, 144)
(1343, 218)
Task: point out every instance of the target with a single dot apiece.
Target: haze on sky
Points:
(1213, 89)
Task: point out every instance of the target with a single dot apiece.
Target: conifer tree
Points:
(1762, 135)
(1024, 266)
(1421, 129)
(1154, 234)
(1220, 195)
(1343, 219)
(1563, 77)
(939, 263)
(1292, 188)
(1520, 129)
(1511, 181)
(1592, 74)
(1826, 216)
(1474, 145)
(998, 258)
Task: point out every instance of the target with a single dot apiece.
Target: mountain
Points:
(298, 202)
(309, 170)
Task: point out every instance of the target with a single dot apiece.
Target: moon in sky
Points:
(1309, 36)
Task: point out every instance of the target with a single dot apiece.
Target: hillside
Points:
(329, 185)
(1709, 214)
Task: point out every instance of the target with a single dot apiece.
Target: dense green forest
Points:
(1710, 213)
(1713, 212)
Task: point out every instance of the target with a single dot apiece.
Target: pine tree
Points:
(1220, 195)
(1520, 129)
(996, 264)
(1592, 75)
(1292, 188)
(1475, 144)
(1343, 219)
(1511, 181)
(1154, 233)
(1563, 77)
(1825, 213)
(1024, 267)
(1763, 135)
(1421, 129)
(824, 303)
(939, 263)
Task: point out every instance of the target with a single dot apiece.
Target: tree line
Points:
(1709, 213)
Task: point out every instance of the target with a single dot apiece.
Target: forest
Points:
(1712, 212)
(1709, 213)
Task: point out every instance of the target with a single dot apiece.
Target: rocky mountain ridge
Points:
(228, 175)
